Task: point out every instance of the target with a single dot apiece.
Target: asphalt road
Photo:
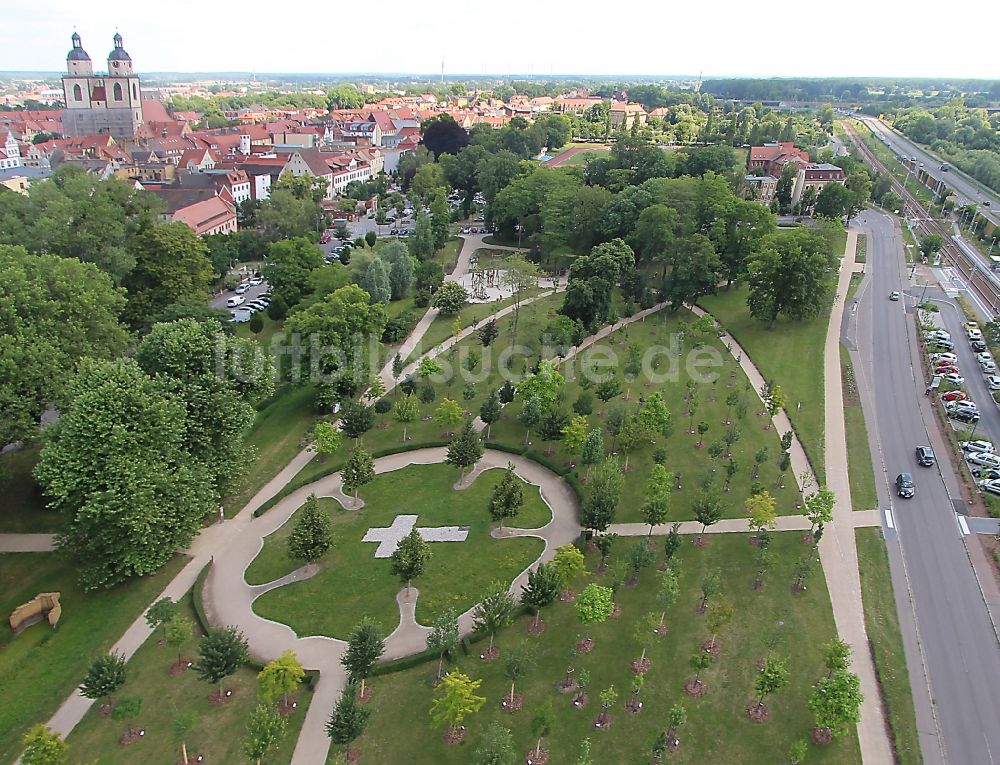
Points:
(948, 634)
(965, 191)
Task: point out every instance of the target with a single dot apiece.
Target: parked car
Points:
(325, 238)
(983, 357)
(936, 334)
(991, 485)
(945, 345)
(984, 473)
(993, 382)
(925, 456)
(894, 295)
(947, 369)
(986, 459)
(974, 334)
(240, 317)
(241, 288)
(978, 445)
(954, 378)
(257, 281)
(978, 345)
(944, 357)
(964, 416)
(961, 406)
(988, 367)
(954, 395)
(236, 300)
(904, 485)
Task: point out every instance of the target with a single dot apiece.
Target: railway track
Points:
(974, 273)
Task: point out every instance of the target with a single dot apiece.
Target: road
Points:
(952, 650)
(965, 190)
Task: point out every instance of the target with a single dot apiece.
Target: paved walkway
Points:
(27, 543)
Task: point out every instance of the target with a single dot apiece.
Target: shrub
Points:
(383, 406)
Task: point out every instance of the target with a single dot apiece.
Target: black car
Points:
(978, 345)
(964, 416)
(925, 456)
(904, 485)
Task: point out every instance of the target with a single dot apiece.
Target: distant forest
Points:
(855, 89)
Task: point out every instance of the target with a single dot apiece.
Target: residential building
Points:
(210, 216)
(760, 188)
(625, 115)
(816, 176)
(771, 158)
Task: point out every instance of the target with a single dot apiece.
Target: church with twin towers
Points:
(101, 103)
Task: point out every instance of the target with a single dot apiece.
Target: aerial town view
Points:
(463, 386)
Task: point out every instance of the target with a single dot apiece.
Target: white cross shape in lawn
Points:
(389, 537)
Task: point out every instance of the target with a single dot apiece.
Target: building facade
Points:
(101, 103)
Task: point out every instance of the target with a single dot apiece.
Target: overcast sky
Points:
(649, 37)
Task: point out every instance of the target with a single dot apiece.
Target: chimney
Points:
(245, 144)
(163, 133)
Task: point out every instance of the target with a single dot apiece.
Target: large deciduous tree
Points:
(288, 267)
(117, 465)
(43, 747)
(788, 277)
(54, 311)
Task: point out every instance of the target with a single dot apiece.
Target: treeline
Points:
(854, 89)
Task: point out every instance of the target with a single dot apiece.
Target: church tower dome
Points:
(78, 60)
(119, 61)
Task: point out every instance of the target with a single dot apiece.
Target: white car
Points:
(984, 357)
(991, 485)
(977, 446)
(959, 406)
(974, 334)
(256, 281)
(988, 367)
(235, 300)
(954, 379)
(993, 382)
(241, 288)
(983, 458)
(950, 357)
(938, 334)
(240, 317)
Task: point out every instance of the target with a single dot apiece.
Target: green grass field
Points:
(23, 508)
(361, 585)
(40, 667)
(882, 624)
(164, 698)
(859, 457)
(717, 730)
(790, 353)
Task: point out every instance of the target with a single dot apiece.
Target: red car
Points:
(954, 395)
(325, 238)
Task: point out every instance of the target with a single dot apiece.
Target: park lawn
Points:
(361, 585)
(791, 354)
(882, 624)
(859, 457)
(717, 731)
(23, 508)
(264, 337)
(447, 256)
(582, 158)
(95, 740)
(40, 667)
(278, 433)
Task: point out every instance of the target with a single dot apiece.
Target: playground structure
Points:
(45, 605)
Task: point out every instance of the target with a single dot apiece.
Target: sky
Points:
(637, 37)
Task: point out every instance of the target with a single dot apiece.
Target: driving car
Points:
(954, 395)
(977, 446)
(904, 485)
(894, 295)
(241, 288)
(991, 485)
(257, 281)
(925, 456)
(235, 300)
(954, 378)
(993, 382)
(986, 459)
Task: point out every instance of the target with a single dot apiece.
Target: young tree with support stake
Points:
(570, 563)
(518, 662)
(771, 678)
(364, 647)
(223, 650)
(656, 508)
(312, 534)
(455, 700)
(444, 636)
(326, 439)
(541, 590)
(280, 678)
(178, 631)
(760, 512)
(265, 728)
(43, 747)
(508, 497)
(410, 557)
(161, 612)
(594, 605)
(707, 511)
(359, 470)
(406, 411)
(541, 726)
(490, 411)
(465, 449)
(836, 704)
(105, 676)
(667, 592)
(494, 612)
(592, 451)
(348, 719)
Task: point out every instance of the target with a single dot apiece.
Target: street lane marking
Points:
(888, 518)
(962, 525)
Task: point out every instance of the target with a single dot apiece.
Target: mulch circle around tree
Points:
(752, 540)
(531, 758)
(641, 666)
(586, 645)
(757, 713)
(757, 584)
(601, 570)
(712, 646)
(591, 547)
(217, 699)
(287, 707)
(106, 710)
(566, 685)
(352, 756)
(806, 539)
(603, 721)
(701, 609)
(798, 587)
(161, 642)
(130, 736)
(581, 700)
(700, 542)
(661, 630)
(617, 612)
(821, 736)
(535, 627)
(454, 735)
(632, 582)
(695, 688)
(632, 705)
(490, 654)
(512, 704)
(567, 596)
(673, 744)
(192, 758)
(180, 666)
(382, 425)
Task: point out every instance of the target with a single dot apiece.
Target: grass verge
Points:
(861, 474)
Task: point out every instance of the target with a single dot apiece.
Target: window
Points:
(135, 94)
(77, 93)
(118, 91)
